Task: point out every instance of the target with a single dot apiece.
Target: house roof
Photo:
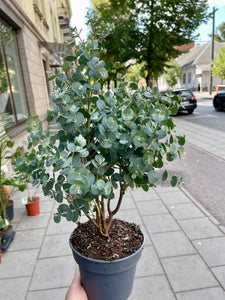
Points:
(199, 55)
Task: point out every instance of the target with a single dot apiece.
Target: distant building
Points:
(39, 29)
(185, 48)
(195, 65)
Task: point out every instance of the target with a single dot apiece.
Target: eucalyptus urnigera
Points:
(107, 141)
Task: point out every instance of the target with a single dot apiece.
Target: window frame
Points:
(16, 30)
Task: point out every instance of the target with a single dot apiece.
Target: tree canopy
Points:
(218, 68)
(148, 31)
(220, 33)
(172, 73)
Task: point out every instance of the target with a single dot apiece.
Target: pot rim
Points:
(108, 261)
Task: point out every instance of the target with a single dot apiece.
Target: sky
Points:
(79, 10)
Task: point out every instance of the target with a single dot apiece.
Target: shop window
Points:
(12, 93)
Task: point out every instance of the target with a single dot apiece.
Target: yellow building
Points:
(32, 35)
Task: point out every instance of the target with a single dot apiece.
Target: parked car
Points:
(219, 100)
(188, 100)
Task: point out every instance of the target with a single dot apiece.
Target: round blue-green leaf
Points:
(100, 184)
(160, 113)
(139, 139)
(103, 73)
(127, 114)
(71, 147)
(99, 158)
(100, 104)
(75, 189)
(97, 86)
(153, 177)
(107, 188)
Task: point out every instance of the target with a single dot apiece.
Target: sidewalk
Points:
(183, 257)
(204, 95)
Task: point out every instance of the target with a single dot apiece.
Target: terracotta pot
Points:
(33, 207)
(6, 190)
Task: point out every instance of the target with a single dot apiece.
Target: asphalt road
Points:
(206, 115)
(203, 174)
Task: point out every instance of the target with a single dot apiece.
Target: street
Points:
(206, 115)
(202, 168)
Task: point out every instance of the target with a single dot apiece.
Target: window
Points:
(189, 77)
(12, 93)
(184, 78)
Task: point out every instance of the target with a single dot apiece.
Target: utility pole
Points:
(212, 52)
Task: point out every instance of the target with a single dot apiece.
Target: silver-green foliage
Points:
(105, 140)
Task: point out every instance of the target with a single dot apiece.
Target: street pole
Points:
(212, 52)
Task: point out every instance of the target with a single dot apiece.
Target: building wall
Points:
(30, 30)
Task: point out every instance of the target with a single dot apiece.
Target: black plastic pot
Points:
(10, 210)
(6, 237)
(111, 280)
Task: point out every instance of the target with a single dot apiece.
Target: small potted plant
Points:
(107, 142)
(6, 230)
(23, 167)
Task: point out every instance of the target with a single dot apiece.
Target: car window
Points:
(183, 93)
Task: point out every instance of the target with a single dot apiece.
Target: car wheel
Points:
(190, 111)
(217, 104)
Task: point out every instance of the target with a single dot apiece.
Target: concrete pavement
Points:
(183, 258)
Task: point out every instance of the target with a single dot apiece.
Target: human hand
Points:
(76, 291)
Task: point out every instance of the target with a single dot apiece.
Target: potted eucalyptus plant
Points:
(23, 167)
(107, 142)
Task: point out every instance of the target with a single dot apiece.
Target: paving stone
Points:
(33, 222)
(46, 206)
(56, 294)
(63, 227)
(55, 245)
(199, 228)
(151, 208)
(146, 234)
(18, 214)
(53, 273)
(220, 275)
(185, 211)
(172, 244)
(166, 189)
(148, 264)
(15, 288)
(19, 263)
(222, 228)
(188, 273)
(141, 195)
(127, 203)
(154, 288)
(215, 293)
(212, 250)
(177, 197)
(160, 223)
(27, 239)
(130, 215)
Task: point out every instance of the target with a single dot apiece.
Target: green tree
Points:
(220, 33)
(172, 73)
(148, 30)
(218, 68)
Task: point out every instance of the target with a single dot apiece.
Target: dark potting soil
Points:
(124, 239)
